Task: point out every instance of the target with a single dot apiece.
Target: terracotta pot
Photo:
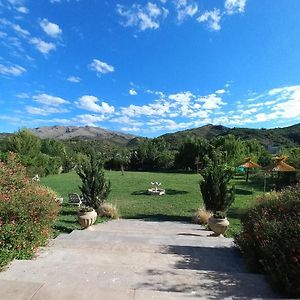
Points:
(218, 226)
(86, 219)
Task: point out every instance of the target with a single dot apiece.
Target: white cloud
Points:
(20, 30)
(131, 129)
(91, 103)
(212, 18)
(132, 92)
(90, 120)
(290, 106)
(144, 17)
(3, 34)
(13, 70)
(101, 67)
(60, 1)
(50, 28)
(182, 98)
(185, 9)
(167, 124)
(234, 6)
(126, 120)
(221, 91)
(42, 46)
(74, 79)
(278, 104)
(23, 96)
(49, 100)
(44, 111)
(18, 5)
(211, 101)
(22, 9)
(158, 108)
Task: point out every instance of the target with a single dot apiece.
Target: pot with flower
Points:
(218, 223)
(86, 216)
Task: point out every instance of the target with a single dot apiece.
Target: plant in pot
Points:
(86, 216)
(217, 194)
(95, 188)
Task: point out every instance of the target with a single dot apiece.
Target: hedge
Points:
(27, 212)
(270, 239)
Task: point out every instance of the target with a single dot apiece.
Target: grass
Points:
(128, 193)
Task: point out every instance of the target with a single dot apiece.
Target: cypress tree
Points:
(95, 188)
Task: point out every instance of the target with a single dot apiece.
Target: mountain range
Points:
(285, 136)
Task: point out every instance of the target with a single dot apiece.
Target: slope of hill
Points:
(86, 133)
(206, 132)
(286, 136)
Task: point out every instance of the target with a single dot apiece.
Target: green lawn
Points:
(128, 193)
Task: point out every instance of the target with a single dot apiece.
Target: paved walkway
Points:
(134, 260)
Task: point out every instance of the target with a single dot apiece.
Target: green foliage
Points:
(85, 209)
(233, 149)
(219, 215)
(27, 212)
(43, 157)
(293, 156)
(152, 154)
(270, 239)
(95, 188)
(216, 194)
(265, 159)
(192, 153)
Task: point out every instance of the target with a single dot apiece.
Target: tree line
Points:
(49, 156)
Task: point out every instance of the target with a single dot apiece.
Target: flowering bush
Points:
(27, 212)
(270, 239)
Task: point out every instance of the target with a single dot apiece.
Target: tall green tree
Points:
(95, 188)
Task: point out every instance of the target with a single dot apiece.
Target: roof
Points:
(249, 164)
(281, 165)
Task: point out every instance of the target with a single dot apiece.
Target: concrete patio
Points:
(136, 260)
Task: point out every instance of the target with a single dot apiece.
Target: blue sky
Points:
(149, 67)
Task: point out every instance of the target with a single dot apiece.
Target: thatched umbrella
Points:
(249, 164)
(281, 165)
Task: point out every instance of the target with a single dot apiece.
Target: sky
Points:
(149, 67)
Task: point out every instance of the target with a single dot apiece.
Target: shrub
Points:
(201, 216)
(95, 188)
(270, 239)
(27, 212)
(108, 210)
(216, 194)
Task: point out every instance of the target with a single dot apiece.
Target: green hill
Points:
(286, 136)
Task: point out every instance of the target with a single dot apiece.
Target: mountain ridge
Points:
(282, 136)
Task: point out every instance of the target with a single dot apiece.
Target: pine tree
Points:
(95, 188)
(216, 194)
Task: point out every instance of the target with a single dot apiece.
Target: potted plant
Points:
(217, 194)
(218, 223)
(95, 188)
(86, 216)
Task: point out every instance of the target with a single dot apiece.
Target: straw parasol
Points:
(281, 165)
(249, 164)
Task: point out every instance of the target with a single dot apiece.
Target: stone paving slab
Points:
(200, 283)
(199, 258)
(153, 239)
(81, 292)
(18, 290)
(134, 259)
